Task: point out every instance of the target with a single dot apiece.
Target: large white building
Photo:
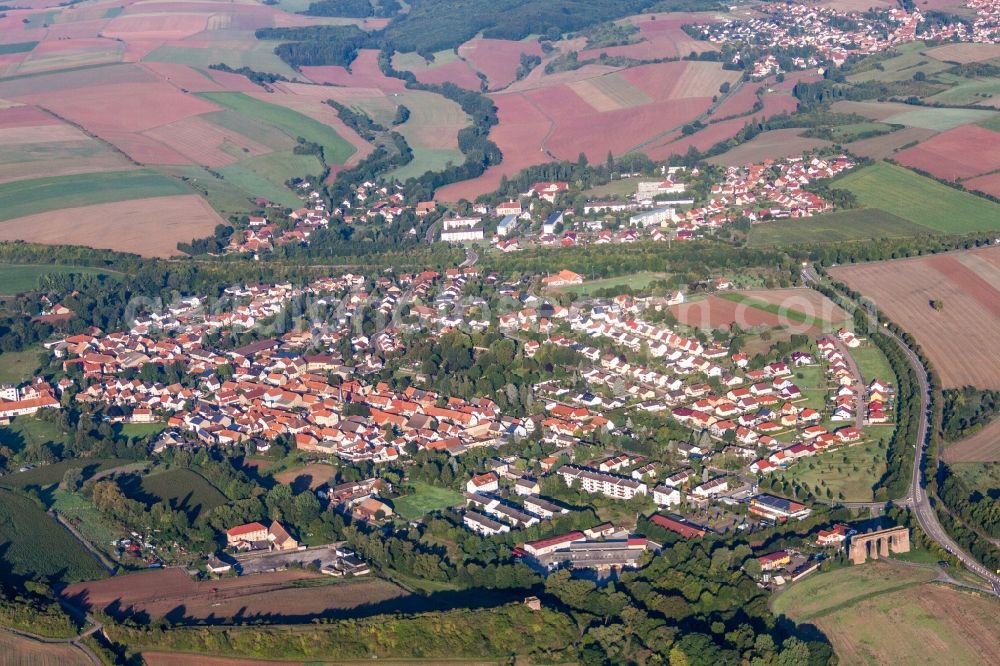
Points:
(462, 229)
(609, 485)
(657, 217)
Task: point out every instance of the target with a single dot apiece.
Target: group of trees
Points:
(967, 410)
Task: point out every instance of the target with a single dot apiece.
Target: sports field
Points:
(335, 149)
(921, 200)
(28, 197)
(424, 499)
(879, 613)
(846, 225)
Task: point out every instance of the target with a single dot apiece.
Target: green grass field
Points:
(33, 545)
(48, 475)
(981, 476)
(18, 278)
(16, 367)
(414, 62)
(82, 513)
(425, 499)
(846, 225)
(921, 200)
(29, 431)
(873, 364)
(938, 119)
(184, 489)
(615, 189)
(221, 193)
(636, 281)
(968, 91)
(247, 52)
(17, 47)
(40, 195)
(335, 149)
(141, 429)
(907, 61)
(855, 131)
(431, 130)
(828, 592)
(991, 123)
(865, 464)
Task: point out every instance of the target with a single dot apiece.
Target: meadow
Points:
(878, 613)
(846, 225)
(33, 545)
(636, 281)
(848, 470)
(18, 366)
(873, 364)
(425, 499)
(40, 195)
(17, 278)
(49, 475)
(184, 489)
(921, 200)
(335, 149)
(789, 313)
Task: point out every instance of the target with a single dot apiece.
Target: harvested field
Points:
(769, 146)
(151, 227)
(956, 154)
(967, 284)
(18, 651)
(879, 147)
(269, 595)
(717, 312)
(182, 659)
(808, 302)
(205, 143)
(519, 134)
(165, 27)
(939, 119)
(64, 54)
(498, 59)
(984, 446)
(963, 53)
(609, 93)
(871, 110)
(185, 77)
(662, 37)
(989, 184)
(457, 72)
(738, 103)
(365, 73)
(311, 477)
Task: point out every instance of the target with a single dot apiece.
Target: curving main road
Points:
(917, 497)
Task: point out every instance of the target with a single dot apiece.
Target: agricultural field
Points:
(981, 447)
(771, 145)
(18, 278)
(880, 147)
(957, 154)
(715, 311)
(275, 595)
(799, 305)
(963, 53)
(882, 614)
(895, 113)
(906, 61)
(18, 650)
(42, 195)
(184, 489)
(36, 546)
(425, 499)
(966, 284)
(165, 221)
(845, 225)
(921, 200)
(846, 474)
(984, 92)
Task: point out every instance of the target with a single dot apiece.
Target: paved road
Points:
(471, 257)
(917, 496)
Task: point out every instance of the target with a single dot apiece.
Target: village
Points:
(659, 210)
(314, 388)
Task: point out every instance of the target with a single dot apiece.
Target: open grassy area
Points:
(184, 489)
(848, 470)
(968, 91)
(253, 53)
(636, 281)
(17, 47)
(223, 194)
(828, 592)
(141, 429)
(424, 499)
(27, 197)
(29, 431)
(921, 200)
(880, 613)
(83, 515)
(335, 149)
(873, 364)
(981, 476)
(18, 366)
(33, 545)
(615, 189)
(938, 119)
(48, 475)
(846, 225)
(18, 278)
